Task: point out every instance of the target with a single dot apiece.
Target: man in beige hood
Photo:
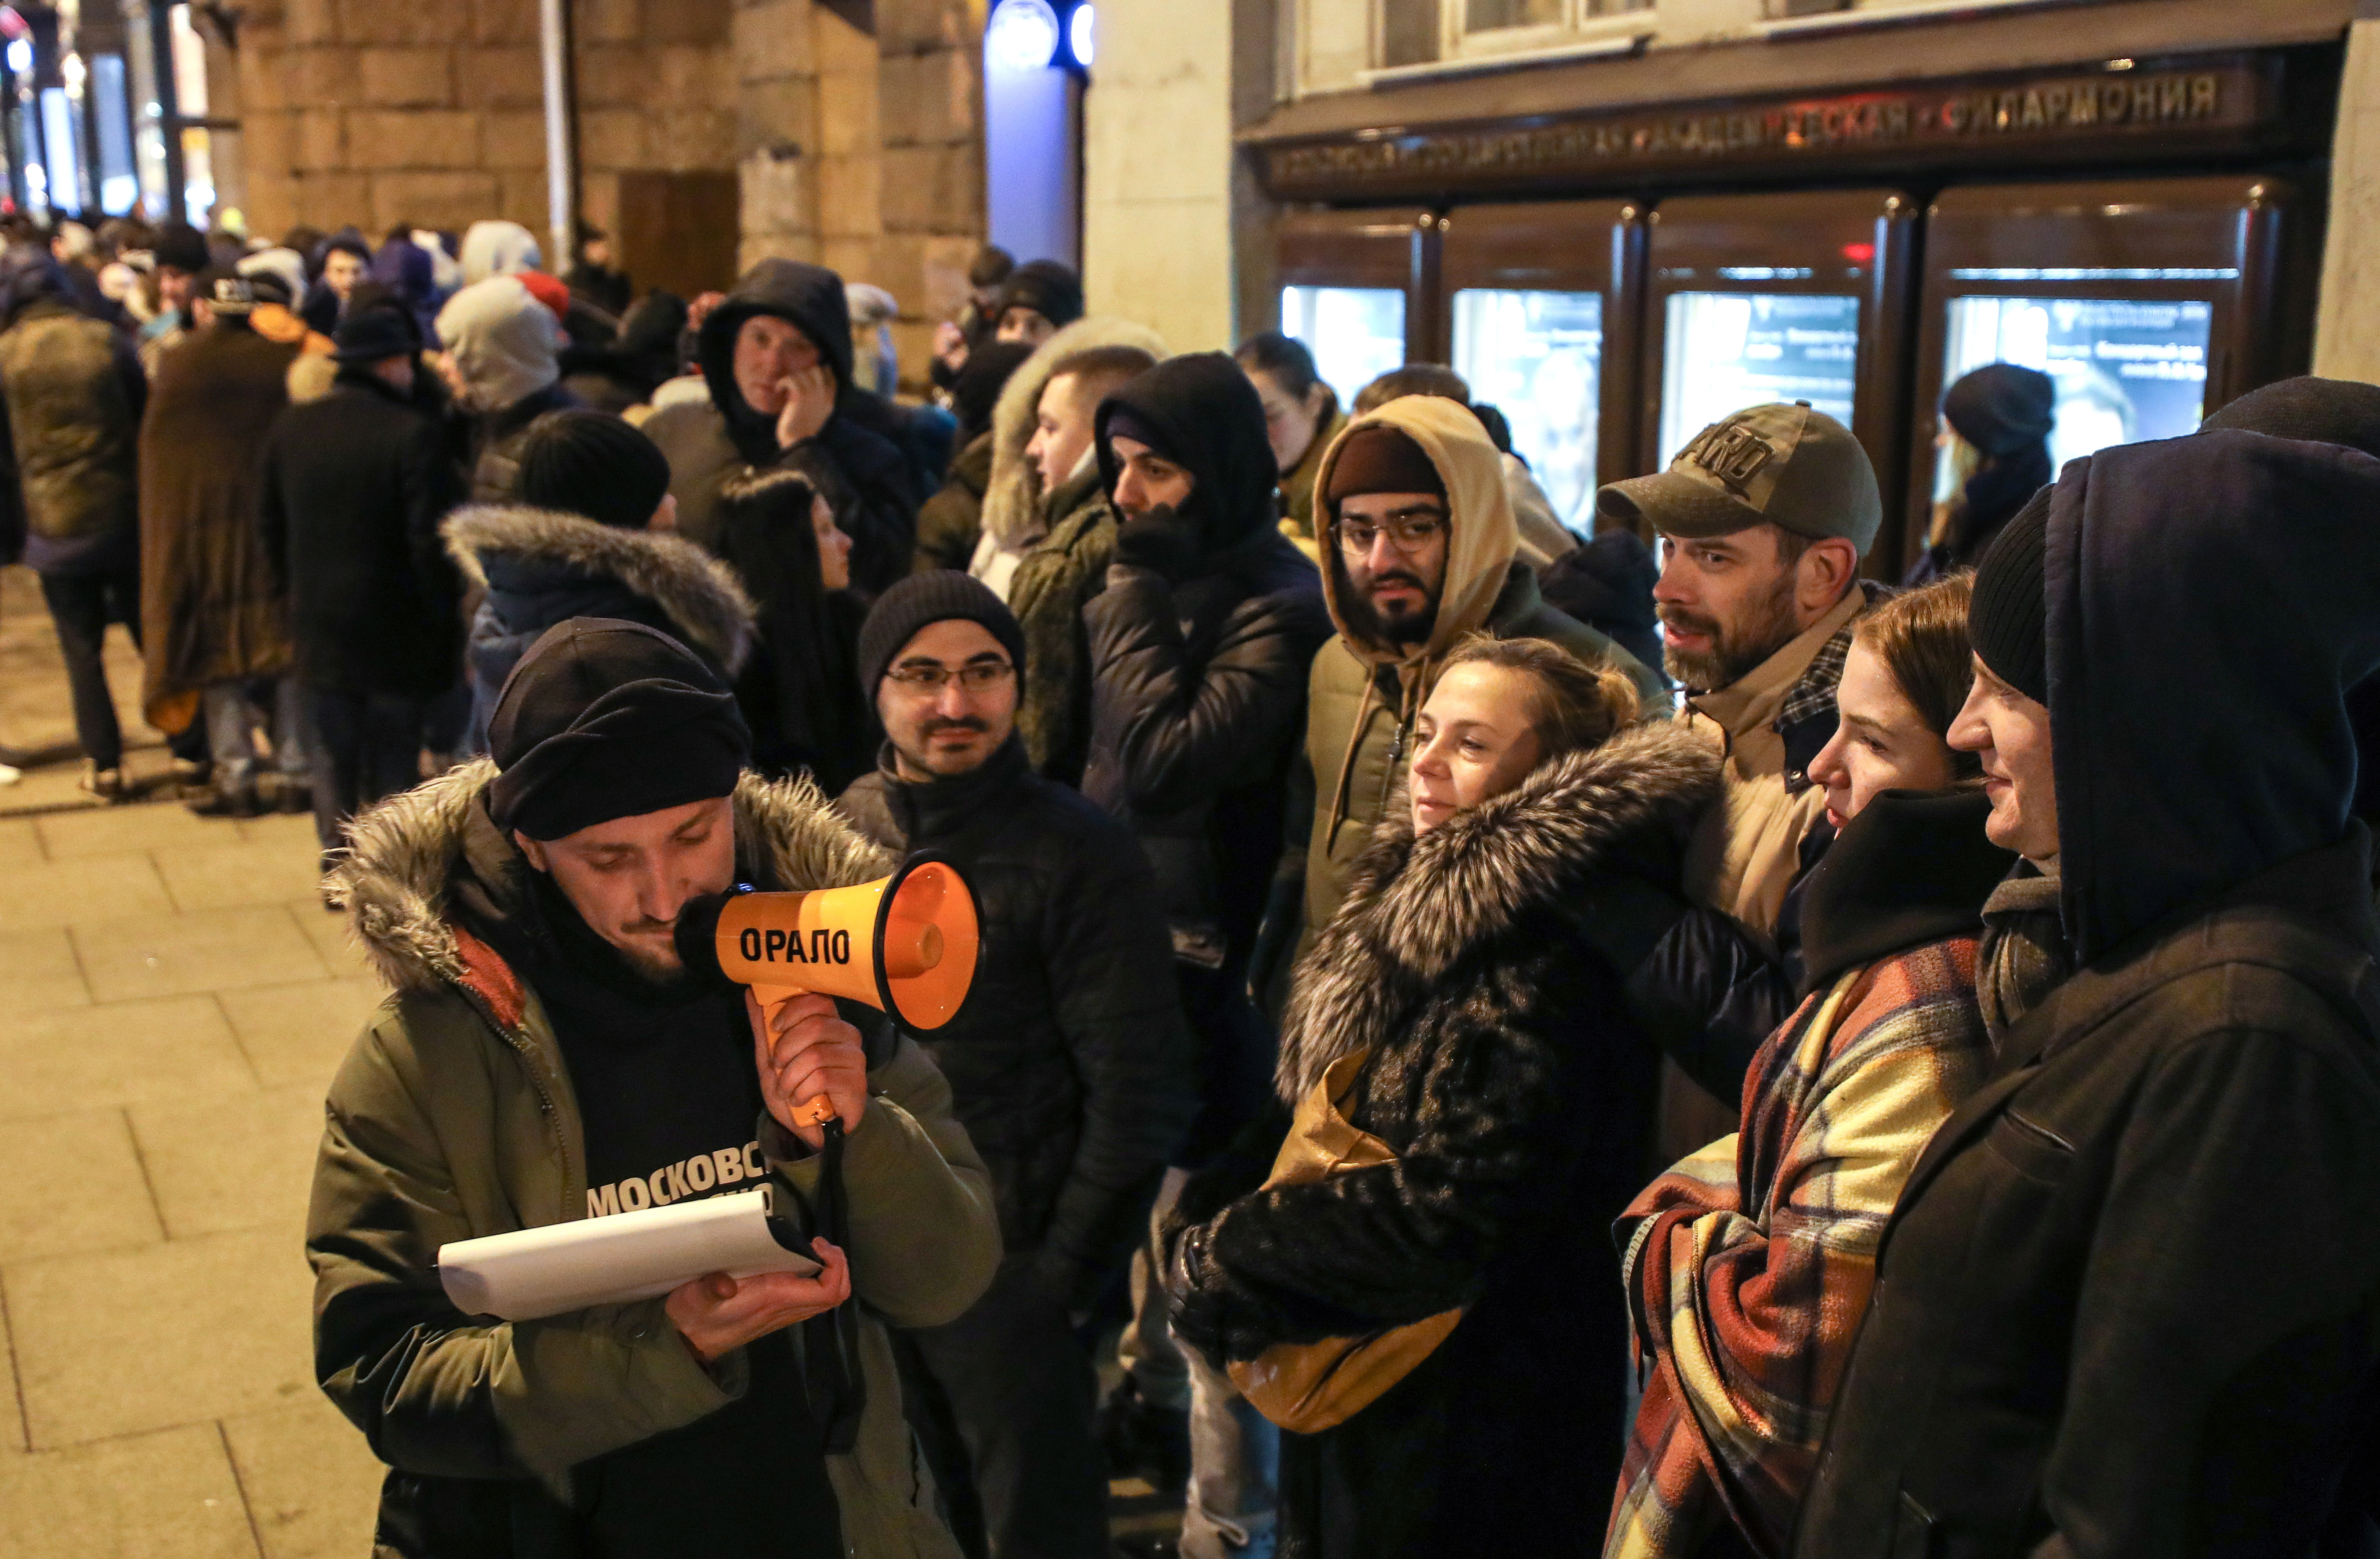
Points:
(1419, 549)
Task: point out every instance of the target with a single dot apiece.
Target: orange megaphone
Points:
(904, 944)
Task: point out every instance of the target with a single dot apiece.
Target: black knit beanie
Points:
(2008, 620)
(2001, 407)
(604, 719)
(2321, 411)
(941, 595)
(590, 463)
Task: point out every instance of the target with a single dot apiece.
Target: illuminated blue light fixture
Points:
(1023, 34)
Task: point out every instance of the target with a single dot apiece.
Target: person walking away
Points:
(1050, 533)
(1465, 1006)
(776, 356)
(212, 619)
(1040, 298)
(541, 1060)
(1302, 417)
(587, 535)
(354, 488)
(950, 524)
(1763, 518)
(1070, 1069)
(502, 365)
(1748, 1265)
(1198, 647)
(2184, 1105)
(801, 692)
(69, 446)
(1996, 427)
(1423, 554)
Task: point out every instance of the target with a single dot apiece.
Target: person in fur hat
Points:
(1476, 964)
(542, 1058)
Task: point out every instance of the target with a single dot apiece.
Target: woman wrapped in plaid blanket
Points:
(1749, 1264)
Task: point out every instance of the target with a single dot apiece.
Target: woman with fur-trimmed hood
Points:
(1476, 964)
(590, 537)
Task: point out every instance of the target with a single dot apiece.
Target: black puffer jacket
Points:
(2129, 1303)
(1199, 683)
(1070, 1064)
(1481, 965)
(857, 459)
(492, 442)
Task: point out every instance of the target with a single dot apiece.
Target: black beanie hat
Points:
(2007, 622)
(1050, 289)
(2000, 407)
(590, 463)
(941, 595)
(182, 247)
(604, 719)
(975, 392)
(2319, 411)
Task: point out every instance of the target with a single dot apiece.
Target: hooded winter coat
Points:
(1480, 965)
(354, 488)
(1197, 683)
(864, 459)
(533, 568)
(1068, 538)
(454, 1117)
(492, 247)
(209, 608)
(71, 427)
(1363, 693)
(503, 344)
(1607, 585)
(2127, 1303)
(1070, 1065)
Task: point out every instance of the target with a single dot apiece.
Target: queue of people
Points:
(1529, 1042)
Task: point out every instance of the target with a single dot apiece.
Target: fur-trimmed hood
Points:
(699, 592)
(405, 855)
(1416, 907)
(1013, 500)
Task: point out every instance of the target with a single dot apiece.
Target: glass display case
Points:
(1726, 351)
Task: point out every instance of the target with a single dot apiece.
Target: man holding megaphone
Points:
(547, 1056)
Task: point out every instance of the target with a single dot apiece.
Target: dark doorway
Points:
(678, 232)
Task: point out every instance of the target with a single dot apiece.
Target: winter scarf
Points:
(2025, 954)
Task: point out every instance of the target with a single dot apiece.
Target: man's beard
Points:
(1768, 628)
(1368, 622)
(925, 760)
(663, 971)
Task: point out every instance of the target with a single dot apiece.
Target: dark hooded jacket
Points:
(355, 485)
(1069, 1066)
(864, 459)
(70, 429)
(533, 568)
(2128, 1301)
(1607, 585)
(1480, 966)
(1198, 681)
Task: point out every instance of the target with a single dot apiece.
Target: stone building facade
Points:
(710, 133)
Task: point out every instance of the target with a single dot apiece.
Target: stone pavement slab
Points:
(20, 843)
(241, 1163)
(75, 1184)
(114, 830)
(170, 954)
(39, 972)
(299, 1033)
(179, 1048)
(12, 1409)
(181, 1333)
(313, 1484)
(233, 874)
(171, 1495)
(328, 932)
(42, 895)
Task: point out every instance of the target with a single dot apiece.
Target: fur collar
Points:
(699, 593)
(1416, 907)
(405, 853)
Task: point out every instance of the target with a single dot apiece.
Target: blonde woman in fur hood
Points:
(1465, 1005)
(1401, 599)
(1047, 535)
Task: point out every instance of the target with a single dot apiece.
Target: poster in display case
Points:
(2127, 369)
(1728, 350)
(1537, 356)
(1356, 333)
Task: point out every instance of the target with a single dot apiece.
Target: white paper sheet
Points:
(617, 1259)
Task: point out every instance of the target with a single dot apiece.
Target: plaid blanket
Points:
(1749, 1264)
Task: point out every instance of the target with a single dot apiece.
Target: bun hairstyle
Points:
(1921, 636)
(1578, 705)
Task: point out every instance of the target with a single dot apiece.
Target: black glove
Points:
(1193, 1304)
(1160, 540)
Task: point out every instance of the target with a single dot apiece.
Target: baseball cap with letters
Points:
(1783, 464)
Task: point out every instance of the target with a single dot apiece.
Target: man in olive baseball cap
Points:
(1763, 519)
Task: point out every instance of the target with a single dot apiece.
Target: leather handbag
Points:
(1309, 1387)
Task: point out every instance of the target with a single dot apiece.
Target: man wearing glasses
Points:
(1071, 1063)
(1423, 552)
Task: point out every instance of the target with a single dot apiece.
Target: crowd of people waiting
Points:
(1495, 1017)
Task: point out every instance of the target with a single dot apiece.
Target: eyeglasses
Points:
(975, 676)
(1408, 530)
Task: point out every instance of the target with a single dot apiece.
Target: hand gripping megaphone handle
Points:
(815, 1111)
